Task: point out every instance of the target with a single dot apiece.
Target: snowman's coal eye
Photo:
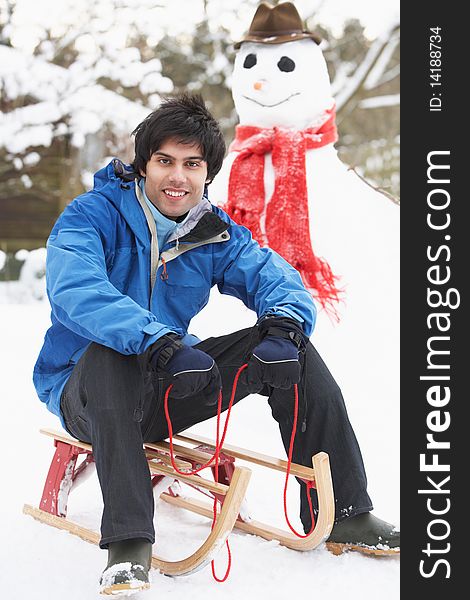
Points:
(286, 64)
(250, 61)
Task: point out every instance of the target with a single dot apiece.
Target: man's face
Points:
(175, 177)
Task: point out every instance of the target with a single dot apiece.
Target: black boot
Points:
(364, 533)
(128, 567)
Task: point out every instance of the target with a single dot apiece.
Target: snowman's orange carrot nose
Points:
(258, 85)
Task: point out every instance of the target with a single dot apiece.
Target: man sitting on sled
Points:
(129, 264)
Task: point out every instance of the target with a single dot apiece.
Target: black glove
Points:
(194, 371)
(275, 360)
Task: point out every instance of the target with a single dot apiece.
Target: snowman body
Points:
(352, 226)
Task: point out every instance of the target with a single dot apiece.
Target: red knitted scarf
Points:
(287, 229)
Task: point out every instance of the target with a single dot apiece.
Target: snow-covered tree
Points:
(77, 77)
(80, 74)
(70, 73)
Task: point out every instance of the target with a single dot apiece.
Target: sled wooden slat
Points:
(264, 460)
(156, 452)
(196, 561)
(200, 456)
(218, 488)
(182, 465)
(63, 437)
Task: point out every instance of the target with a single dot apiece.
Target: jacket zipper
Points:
(154, 252)
(155, 257)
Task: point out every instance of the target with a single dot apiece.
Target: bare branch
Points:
(389, 75)
(376, 188)
(376, 73)
(355, 83)
(380, 101)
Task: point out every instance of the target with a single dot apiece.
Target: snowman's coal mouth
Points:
(272, 105)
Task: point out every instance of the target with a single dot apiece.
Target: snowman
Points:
(283, 179)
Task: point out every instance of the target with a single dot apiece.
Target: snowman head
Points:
(281, 85)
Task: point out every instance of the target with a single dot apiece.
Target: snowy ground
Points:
(39, 562)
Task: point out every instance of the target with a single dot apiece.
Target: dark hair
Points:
(185, 119)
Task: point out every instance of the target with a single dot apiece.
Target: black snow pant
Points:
(115, 402)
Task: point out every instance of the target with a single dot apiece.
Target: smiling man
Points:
(175, 177)
(129, 264)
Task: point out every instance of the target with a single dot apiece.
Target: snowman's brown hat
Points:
(276, 25)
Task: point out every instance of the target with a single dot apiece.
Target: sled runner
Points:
(229, 491)
(320, 475)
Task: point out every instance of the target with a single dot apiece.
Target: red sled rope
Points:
(215, 459)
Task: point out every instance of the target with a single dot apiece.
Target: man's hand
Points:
(275, 360)
(194, 371)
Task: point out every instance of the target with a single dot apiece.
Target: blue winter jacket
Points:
(108, 283)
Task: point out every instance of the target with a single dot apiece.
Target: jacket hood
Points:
(113, 177)
(115, 183)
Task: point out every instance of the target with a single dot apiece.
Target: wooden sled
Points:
(63, 473)
(230, 491)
